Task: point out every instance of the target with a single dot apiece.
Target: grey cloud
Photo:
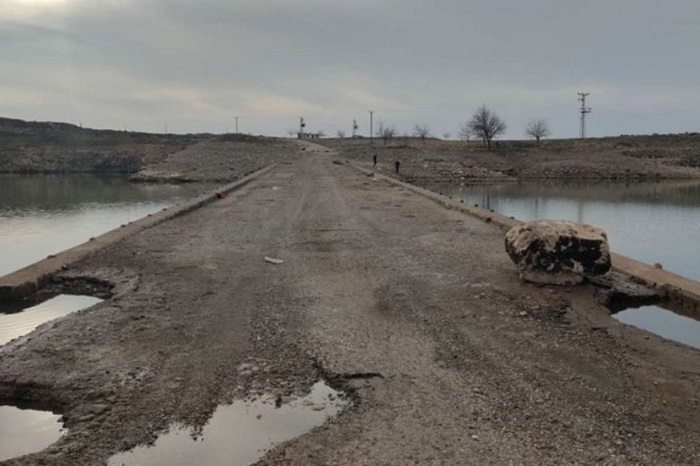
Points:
(195, 64)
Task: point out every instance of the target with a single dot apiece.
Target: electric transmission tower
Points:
(354, 129)
(584, 111)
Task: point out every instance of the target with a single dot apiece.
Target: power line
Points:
(584, 111)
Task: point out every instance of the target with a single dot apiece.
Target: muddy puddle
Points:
(240, 433)
(663, 322)
(24, 431)
(15, 322)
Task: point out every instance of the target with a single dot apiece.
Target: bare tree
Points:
(421, 131)
(537, 129)
(446, 136)
(385, 131)
(465, 133)
(486, 125)
(341, 134)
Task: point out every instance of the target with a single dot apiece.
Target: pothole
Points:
(240, 433)
(24, 431)
(636, 304)
(663, 322)
(15, 322)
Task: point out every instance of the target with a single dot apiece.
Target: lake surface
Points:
(651, 222)
(45, 214)
(648, 221)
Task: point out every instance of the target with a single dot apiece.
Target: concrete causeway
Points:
(399, 299)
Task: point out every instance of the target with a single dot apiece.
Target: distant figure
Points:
(397, 164)
(374, 157)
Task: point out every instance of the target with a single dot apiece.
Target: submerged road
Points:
(414, 309)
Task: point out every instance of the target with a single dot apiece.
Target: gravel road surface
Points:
(414, 310)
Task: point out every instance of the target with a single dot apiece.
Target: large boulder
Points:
(558, 252)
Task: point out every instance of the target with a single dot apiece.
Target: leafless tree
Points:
(421, 131)
(341, 134)
(446, 136)
(537, 129)
(465, 133)
(385, 131)
(486, 125)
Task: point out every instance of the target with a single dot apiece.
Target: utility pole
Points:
(166, 129)
(371, 114)
(354, 129)
(236, 120)
(584, 111)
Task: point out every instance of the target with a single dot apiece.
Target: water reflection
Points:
(44, 214)
(240, 433)
(24, 431)
(663, 323)
(651, 222)
(14, 324)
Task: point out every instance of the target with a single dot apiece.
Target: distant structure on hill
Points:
(302, 134)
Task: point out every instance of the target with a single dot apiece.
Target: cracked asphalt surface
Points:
(416, 311)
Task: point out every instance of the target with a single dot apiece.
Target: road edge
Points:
(684, 293)
(28, 280)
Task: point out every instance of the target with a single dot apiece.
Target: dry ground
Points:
(625, 158)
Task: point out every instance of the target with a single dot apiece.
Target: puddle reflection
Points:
(16, 324)
(664, 323)
(24, 431)
(240, 433)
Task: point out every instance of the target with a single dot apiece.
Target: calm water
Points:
(240, 433)
(44, 214)
(664, 323)
(651, 222)
(14, 323)
(24, 431)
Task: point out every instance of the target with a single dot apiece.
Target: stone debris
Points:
(273, 261)
(558, 252)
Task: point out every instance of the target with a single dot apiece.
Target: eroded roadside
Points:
(414, 309)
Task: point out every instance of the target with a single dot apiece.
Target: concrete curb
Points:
(26, 281)
(505, 223)
(683, 292)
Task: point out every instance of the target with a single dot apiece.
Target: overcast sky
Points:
(194, 65)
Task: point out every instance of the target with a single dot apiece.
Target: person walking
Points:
(374, 158)
(397, 164)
